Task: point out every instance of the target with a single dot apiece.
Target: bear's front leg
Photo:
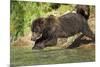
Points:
(40, 43)
(48, 38)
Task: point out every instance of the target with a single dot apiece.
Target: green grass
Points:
(25, 56)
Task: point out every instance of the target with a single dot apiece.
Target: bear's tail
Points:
(84, 10)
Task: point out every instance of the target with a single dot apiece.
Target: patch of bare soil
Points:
(91, 22)
(88, 46)
(23, 41)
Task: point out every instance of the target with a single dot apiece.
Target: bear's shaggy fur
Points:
(83, 10)
(45, 31)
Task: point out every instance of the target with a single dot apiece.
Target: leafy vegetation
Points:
(24, 12)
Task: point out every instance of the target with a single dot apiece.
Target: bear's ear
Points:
(50, 18)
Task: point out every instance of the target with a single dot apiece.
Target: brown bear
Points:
(46, 31)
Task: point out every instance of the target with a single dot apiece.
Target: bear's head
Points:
(41, 24)
(37, 28)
